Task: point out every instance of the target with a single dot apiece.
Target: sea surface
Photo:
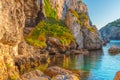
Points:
(98, 65)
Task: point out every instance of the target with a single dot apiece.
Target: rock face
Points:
(34, 12)
(12, 20)
(12, 44)
(111, 31)
(114, 50)
(77, 20)
(75, 28)
(92, 39)
(31, 9)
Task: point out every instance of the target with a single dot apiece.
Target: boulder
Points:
(92, 40)
(54, 46)
(117, 76)
(79, 52)
(55, 71)
(25, 63)
(114, 50)
(34, 75)
(66, 77)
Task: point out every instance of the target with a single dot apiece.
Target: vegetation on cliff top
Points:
(115, 23)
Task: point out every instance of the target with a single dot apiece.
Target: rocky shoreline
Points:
(52, 73)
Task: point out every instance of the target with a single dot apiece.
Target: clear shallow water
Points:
(98, 65)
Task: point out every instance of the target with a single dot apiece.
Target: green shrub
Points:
(83, 18)
(50, 28)
(74, 13)
(115, 23)
(36, 42)
(8, 65)
(91, 29)
(49, 11)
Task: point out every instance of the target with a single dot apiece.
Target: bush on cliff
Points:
(49, 11)
(50, 28)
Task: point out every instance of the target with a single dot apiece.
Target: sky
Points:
(102, 12)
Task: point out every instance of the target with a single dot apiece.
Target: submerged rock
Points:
(114, 50)
(66, 77)
(56, 72)
(117, 76)
(79, 52)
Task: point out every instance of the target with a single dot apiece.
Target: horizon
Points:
(103, 12)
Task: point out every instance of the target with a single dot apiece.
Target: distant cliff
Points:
(111, 30)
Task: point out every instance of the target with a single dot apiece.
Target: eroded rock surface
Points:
(12, 44)
(35, 75)
(12, 20)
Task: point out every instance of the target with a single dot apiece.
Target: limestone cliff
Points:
(12, 20)
(77, 20)
(12, 44)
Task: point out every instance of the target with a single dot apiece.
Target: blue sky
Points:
(102, 12)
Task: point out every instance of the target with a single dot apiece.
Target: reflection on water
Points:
(90, 61)
(98, 65)
(81, 62)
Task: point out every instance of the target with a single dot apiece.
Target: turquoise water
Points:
(105, 66)
(98, 65)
